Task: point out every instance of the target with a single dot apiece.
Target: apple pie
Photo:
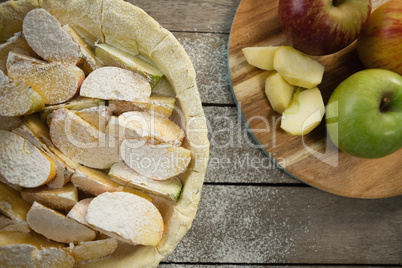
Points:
(103, 139)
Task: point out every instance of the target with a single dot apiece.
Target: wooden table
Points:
(251, 213)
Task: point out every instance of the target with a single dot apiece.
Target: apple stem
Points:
(336, 3)
(384, 105)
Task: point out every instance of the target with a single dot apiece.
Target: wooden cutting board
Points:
(313, 158)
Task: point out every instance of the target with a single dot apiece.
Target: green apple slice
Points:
(112, 56)
(304, 113)
(260, 57)
(159, 104)
(170, 188)
(279, 92)
(297, 68)
(78, 103)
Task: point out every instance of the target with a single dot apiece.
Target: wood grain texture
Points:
(311, 158)
(268, 225)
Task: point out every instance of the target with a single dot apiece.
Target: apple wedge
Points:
(158, 162)
(97, 116)
(22, 163)
(260, 57)
(25, 255)
(55, 82)
(18, 99)
(57, 227)
(12, 205)
(169, 188)
(152, 127)
(279, 92)
(77, 103)
(63, 171)
(304, 112)
(17, 43)
(115, 83)
(97, 182)
(10, 122)
(297, 68)
(62, 199)
(126, 217)
(162, 105)
(79, 211)
(112, 56)
(90, 250)
(47, 38)
(90, 61)
(81, 141)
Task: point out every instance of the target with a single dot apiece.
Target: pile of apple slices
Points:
(95, 147)
(291, 88)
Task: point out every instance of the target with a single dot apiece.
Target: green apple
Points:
(380, 43)
(364, 114)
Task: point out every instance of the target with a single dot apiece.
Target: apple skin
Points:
(364, 114)
(322, 27)
(380, 43)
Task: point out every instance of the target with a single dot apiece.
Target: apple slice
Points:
(12, 205)
(279, 92)
(90, 250)
(115, 83)
(22, 163)
(90, 61)
(55, 82)
(57, 227)
(48, 39)
(158, 162)
(17, 43)
(79, 211)
(77, 103)
(81, 141)
(41, 131)
(25, 255)
(10, 122)
(97, 116)
(9, 225)
(170, 188)
(163, 105)
(304, 112)
(126, 217)
(62, 199)
(63, 171)
(260, 57)
(153, 127)
(97, 182)
(112, 56)
(17, 99)
(297, 68)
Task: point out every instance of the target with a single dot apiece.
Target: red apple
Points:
(380, 43)
(321, 27)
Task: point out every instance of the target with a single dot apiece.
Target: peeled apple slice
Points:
(304, 112)
(260, 57)
(297, 68)
(279, 92)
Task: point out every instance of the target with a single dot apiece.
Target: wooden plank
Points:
(191, 16)
(234, 156)
(208, 53)
(291, 225)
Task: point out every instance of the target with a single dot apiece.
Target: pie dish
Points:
(130, 29)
